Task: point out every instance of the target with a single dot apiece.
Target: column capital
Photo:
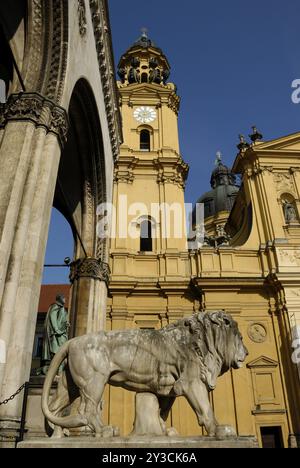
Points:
(89, 268)
(40, 110)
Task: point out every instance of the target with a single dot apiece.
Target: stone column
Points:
(90, 278)
(34, 131)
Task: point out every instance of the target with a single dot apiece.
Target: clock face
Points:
(145, 114)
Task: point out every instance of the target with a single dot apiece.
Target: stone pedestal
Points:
(142, 443)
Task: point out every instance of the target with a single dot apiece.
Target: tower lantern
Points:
(144, 63)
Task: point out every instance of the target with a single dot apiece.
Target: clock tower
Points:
(150, 170)
(149, 258)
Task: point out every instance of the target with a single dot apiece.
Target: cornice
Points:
(178, 285)
(163, 95)
(232, 283)
(172, 171)
(169, 170)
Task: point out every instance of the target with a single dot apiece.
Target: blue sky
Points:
(233, 62)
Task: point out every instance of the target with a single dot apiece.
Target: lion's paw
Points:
(225, 432)
(109, 431)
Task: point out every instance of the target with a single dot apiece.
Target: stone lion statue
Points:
(184, 358)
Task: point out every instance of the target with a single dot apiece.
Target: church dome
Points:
(222, 175)
(224, 190)
(143, 62)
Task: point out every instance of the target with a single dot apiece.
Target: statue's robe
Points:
(56, 330)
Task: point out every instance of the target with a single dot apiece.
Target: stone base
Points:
(145, 442)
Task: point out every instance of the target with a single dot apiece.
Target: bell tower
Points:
(150, 170)
(149, 258)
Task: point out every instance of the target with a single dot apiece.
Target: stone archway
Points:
(52, 110)
(81, 187)
(33, 130)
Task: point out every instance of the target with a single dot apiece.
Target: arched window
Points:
(146, 241)
(144, 78)
(145, 140)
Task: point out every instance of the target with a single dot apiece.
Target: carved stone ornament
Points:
(284, 182)
(257, 333)
(293, 292)
(267, 169)
(289, 257)
(106, 67)
(39, 110)
(174, 103)
(176, 175)
(89, 268)
(193, 353)
(123, 177)
(171, 179)
(82, 17)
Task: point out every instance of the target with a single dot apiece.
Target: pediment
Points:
(262, 361)
(149, 90)
(288, 143)
(146, 90)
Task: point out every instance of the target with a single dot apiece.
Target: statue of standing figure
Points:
(56, 330)
(290, 213)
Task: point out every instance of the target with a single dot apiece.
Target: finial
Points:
(243, 145)
(219, 158)
(144, 32)
(255, 135)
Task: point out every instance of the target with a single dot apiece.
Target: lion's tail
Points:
(68, 421)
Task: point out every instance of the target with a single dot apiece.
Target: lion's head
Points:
(216, 339)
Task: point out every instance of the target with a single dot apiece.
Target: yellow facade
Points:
(255, 278)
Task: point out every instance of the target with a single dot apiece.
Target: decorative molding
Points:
(268, 411)
(262, 361)
(57, 35)
(257, 169)
(89, 268)
(123, 177)
(267, 169)
(292, 292)
(34, 45)
(41, 111)
(171, 171)
(171, 179)
(82, 18)
(293, 170)
(46, 54)
(106, 66)
(174, 103)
